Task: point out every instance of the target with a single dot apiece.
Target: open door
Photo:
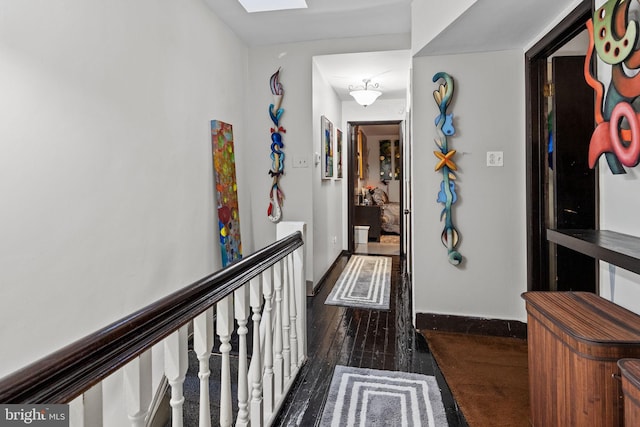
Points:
(574, 183)
(377, 188)
(539, 258)
(406, 240)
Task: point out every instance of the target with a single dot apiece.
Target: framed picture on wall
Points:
(397, 160)
(338, 154)
(385, 160)
(327, 148)
(361, 162)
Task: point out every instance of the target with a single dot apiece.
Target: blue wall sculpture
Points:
(276, 196)
(447, 194)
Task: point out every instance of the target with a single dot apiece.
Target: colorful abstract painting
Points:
(327, 148)
(613, 34)
(385, 160)
(338, 154)
(224, 167)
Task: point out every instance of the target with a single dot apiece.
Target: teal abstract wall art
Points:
(276, 196)
(447, 194)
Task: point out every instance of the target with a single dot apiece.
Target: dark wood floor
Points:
(359, 338)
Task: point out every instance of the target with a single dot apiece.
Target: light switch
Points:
(495, 158)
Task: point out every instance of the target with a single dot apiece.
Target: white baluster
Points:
(241, 310)
(202, 345)
(300, 285)
(255, 375)
(277, 345)
(224, 328)
(92, 406)
(286, 343)
(293, 314)
(175, 369)
(283, 229)
(76, 412)
(267, 320)
(137, 388)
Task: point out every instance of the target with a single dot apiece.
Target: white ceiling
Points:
(322, 19)
(390, 70)
(488, 25)
(494, 25)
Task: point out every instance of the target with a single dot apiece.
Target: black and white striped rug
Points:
(365, 282)
(369, 397)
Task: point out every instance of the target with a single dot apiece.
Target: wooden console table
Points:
(575, 340)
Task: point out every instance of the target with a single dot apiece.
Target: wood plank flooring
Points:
(359, 338)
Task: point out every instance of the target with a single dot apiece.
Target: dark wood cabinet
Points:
(575, 340)
(369, 215)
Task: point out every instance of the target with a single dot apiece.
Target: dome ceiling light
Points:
(363, 95)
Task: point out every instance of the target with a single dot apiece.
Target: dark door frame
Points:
(536, 149)
(351, 161)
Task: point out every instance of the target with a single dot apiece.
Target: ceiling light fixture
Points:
(363, 95)
(266, 6)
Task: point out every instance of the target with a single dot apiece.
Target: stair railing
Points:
(264, 291)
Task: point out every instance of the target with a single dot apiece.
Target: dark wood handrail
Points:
(70, 371)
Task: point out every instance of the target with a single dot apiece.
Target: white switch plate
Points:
(495, 158)
(300, 162)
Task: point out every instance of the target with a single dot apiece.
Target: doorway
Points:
(375, 187)
(561, 189)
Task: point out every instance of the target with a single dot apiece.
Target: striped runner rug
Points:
(365, 282)
(369, 397)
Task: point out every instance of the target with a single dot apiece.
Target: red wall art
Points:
(613, 34)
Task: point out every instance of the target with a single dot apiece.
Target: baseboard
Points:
(311, 290)
(471, 325)
(309, 284)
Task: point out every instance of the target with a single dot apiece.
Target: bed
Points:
(390, 217)
(389, 212)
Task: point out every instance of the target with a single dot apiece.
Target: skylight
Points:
(269, 5)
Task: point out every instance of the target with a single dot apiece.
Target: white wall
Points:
(488, 109)
(105, 161)
(429, 18)
(619, 210)
(301, 186)
(328, 199)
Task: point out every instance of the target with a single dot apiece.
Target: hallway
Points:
(358, 338)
